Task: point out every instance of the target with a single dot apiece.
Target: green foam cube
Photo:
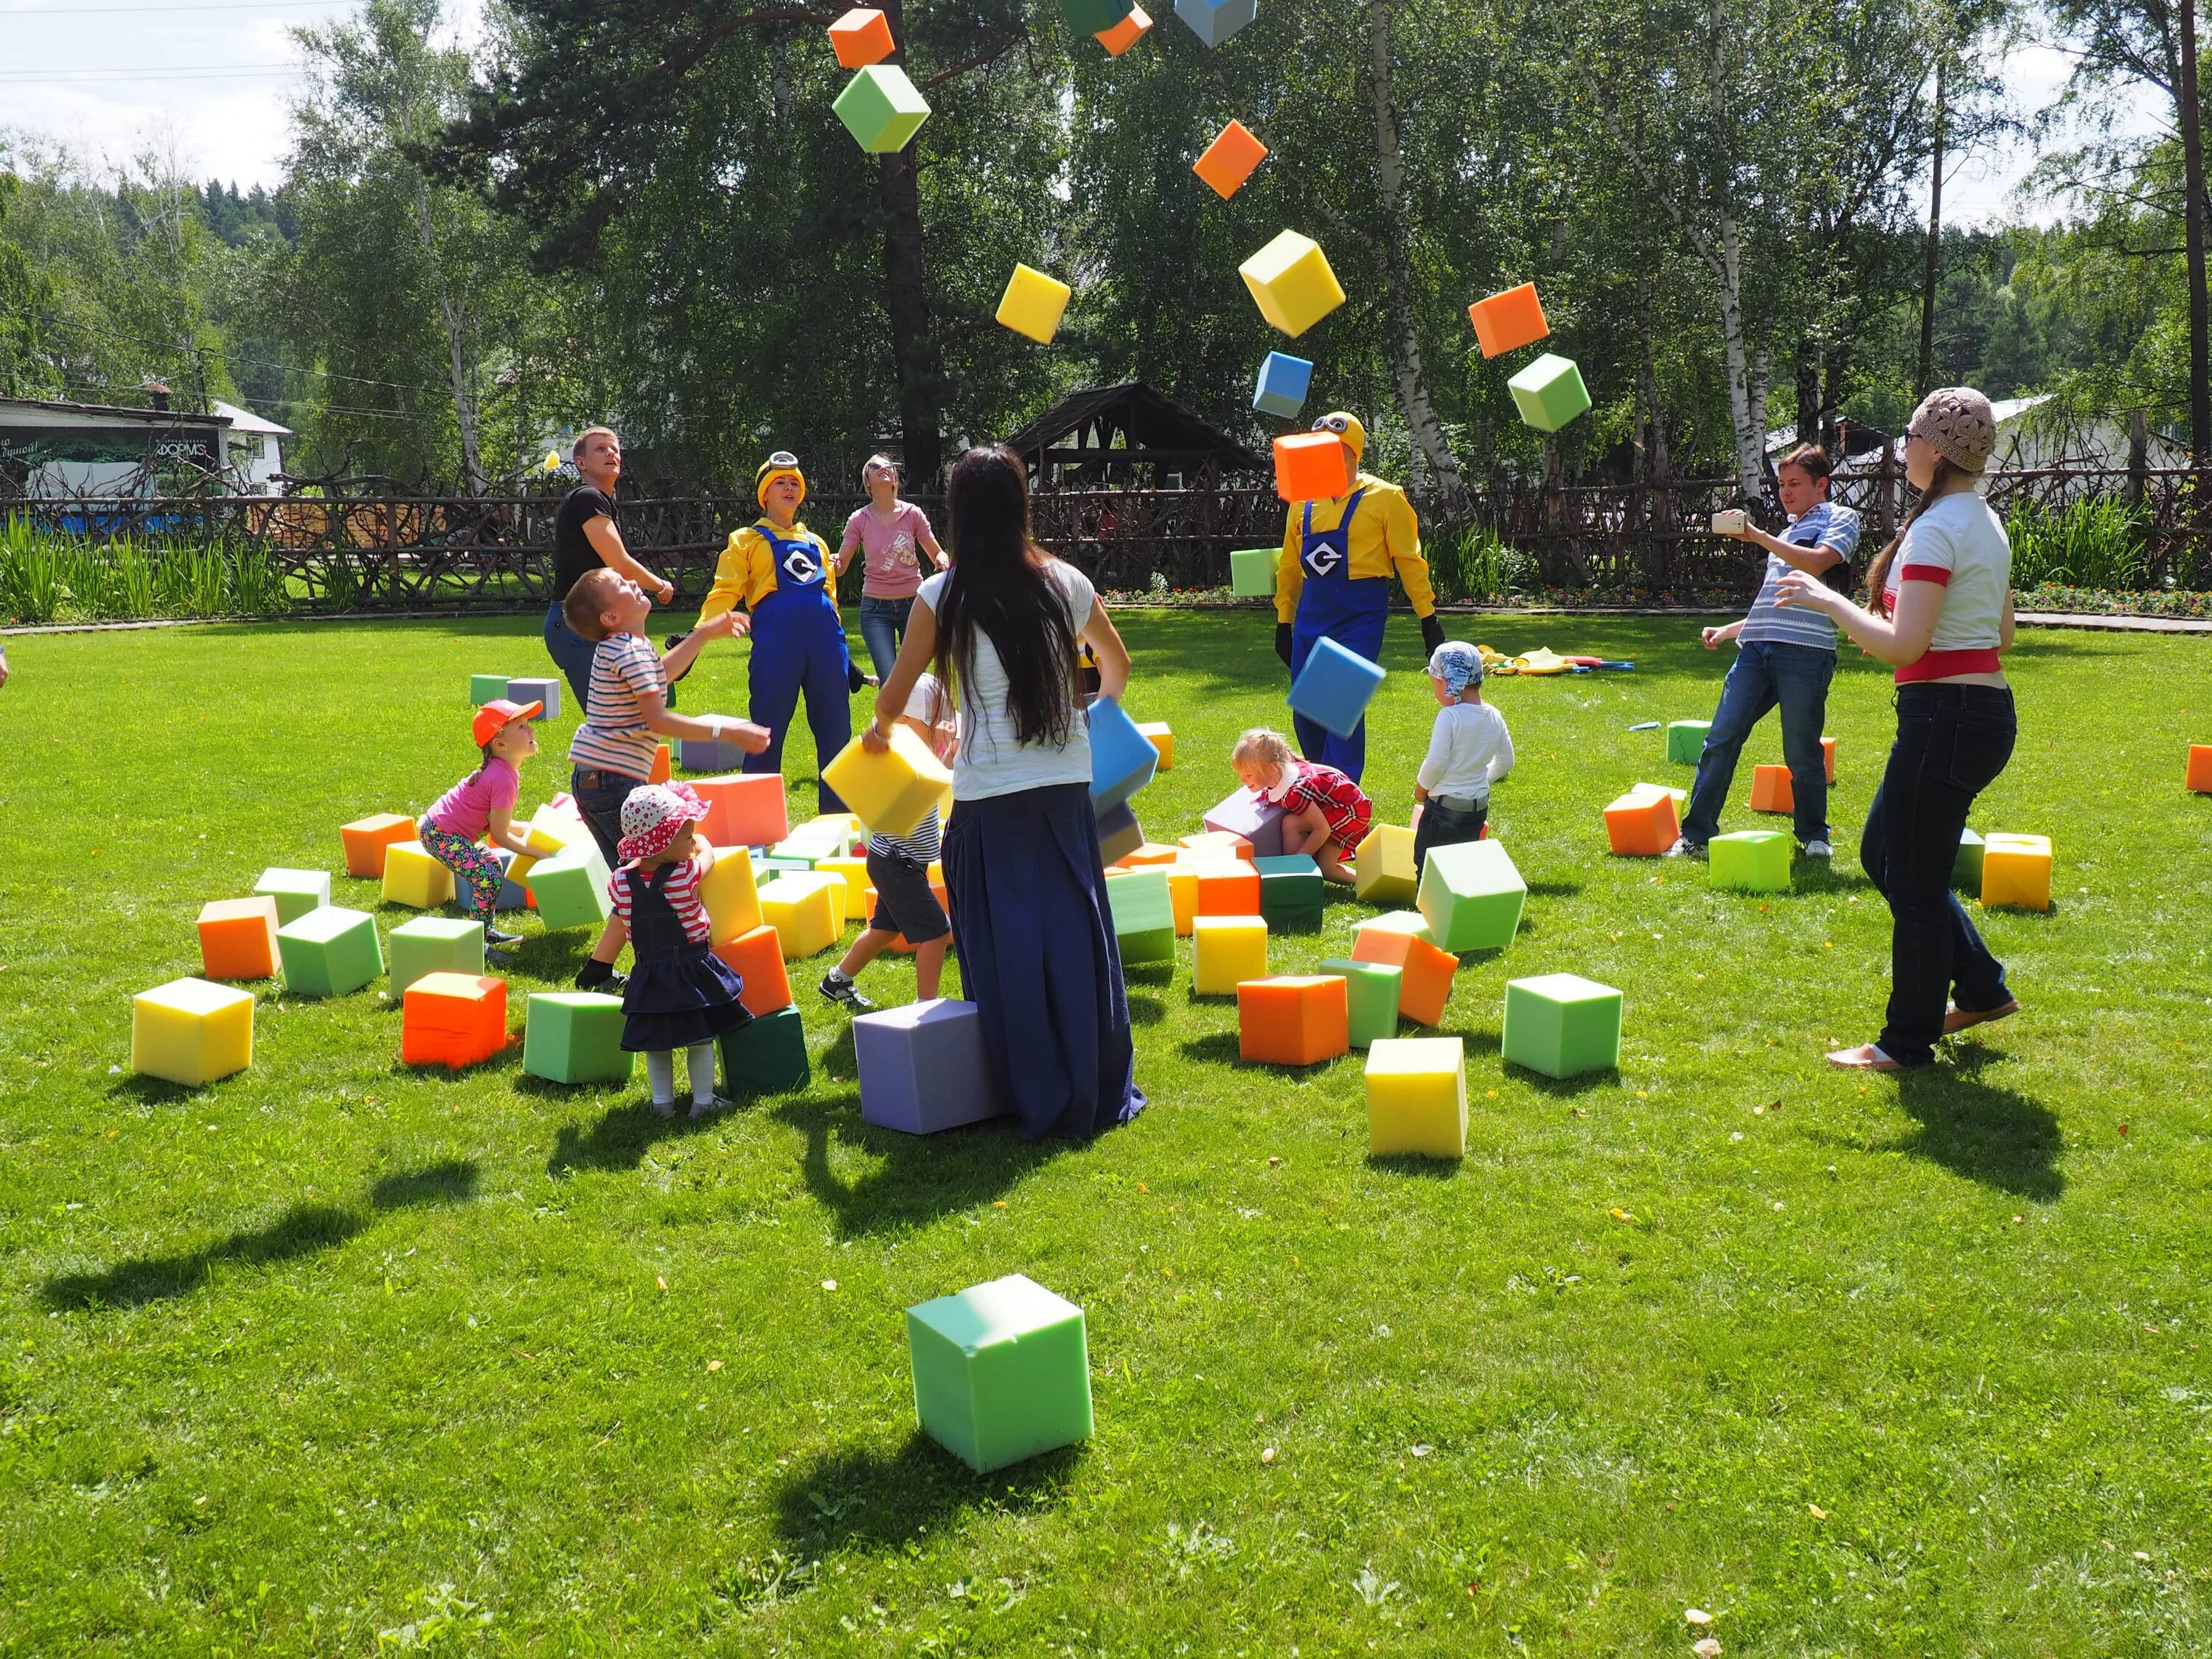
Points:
(1252, 572)
(1471, 897)
(1966, 867)
(329, 953)
(296, 891)
(808, 845)
(1095, 16)
(766, 1056)
(1001, 1372)
(571, 887)
(575, 1036)
(881, 108)
(1686, 740)
(1549, 393)
(1561, 1024)
(1752, 861)
(483, 687)
(765, 868)
(434, 944)
(1290, 890)
(1144, 915)
(1370, 998)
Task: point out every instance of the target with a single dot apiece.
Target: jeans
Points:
(572, 655)
(883, 630)
(599, 796)
(1951, 743)
(1764, 675)
(1445, 826)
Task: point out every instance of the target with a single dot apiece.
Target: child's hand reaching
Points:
(753, 739)
(728, 625)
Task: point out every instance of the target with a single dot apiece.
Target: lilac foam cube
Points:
(922, 1068)
(1260, 822)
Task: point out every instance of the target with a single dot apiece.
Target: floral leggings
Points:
(474, 868)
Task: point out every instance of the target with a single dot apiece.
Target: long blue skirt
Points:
(1039, 961)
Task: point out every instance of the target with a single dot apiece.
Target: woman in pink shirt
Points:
(893, 533)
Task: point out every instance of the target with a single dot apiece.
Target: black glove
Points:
(854, 679)
(594, 973)
(1433, 633)
(1283, 642)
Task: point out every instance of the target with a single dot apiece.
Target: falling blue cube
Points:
(1283, 382)
(1214, 20)
(1122, 758)
(1335, 687)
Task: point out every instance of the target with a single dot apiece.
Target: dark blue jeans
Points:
(1951, 743)
(572, 655)
(599, 796)
(1764, 676)
(882, 627)
(1445, 826)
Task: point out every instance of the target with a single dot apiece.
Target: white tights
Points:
(660, 1073)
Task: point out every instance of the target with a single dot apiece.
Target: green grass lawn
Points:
(335, 1353)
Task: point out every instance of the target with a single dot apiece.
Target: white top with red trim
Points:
(681, 890)
(1960, 546)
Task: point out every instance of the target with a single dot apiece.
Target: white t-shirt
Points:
(1469, 751)
(1960, 545)
(991, 761)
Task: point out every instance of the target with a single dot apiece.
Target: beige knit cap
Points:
(1957, 421)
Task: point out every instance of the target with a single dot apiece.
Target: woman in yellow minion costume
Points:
(1335, 580)
(784, 576)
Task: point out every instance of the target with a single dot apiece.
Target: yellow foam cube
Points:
(1032, 305)
(1417, 1096)
(192, 1031)
(1291, 282)
(2016, 872)
(1228, 949)
(803, 908)
(1182, 893)
(854, 872)
(412, 877)
(892, 791)
(1162, 738)
(1384, 871)
(732, 901)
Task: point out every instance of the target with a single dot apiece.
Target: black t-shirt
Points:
(573, 555)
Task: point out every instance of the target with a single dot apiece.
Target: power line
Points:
(227, 356)
(209, 72)
(179, 11)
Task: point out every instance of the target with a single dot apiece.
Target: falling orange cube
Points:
(238, 938)
(756, 958)
(1293, 1019)
(1125, 34)
(1229, 159)
(861, 37)
(1309, 466)
(1771, 790)
(1508, 320)
(452, 1019)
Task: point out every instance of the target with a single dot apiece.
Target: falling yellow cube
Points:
(192, 1031)
(1417, 1096)
(1228, 949)
(732, 901)
(1156, 733)
(1384, 873)
(412, 877)
(891, 792)
(854, 872)
(2016, 872)
(1291, 282)
(1032, 305)
(807, 910)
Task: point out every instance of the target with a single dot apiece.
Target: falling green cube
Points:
(766, 1056)
(1752, 861)
(330, 952)
(1290, 890)
(1144, 915)
(1549, 393)
(1252, 572)
(1686, 740)
(1471, 897)
(1001, 1372)
(881, 108)
(575, 1036)
(1966, 867)
(434, 944)
(296, 891)
(482, 688)
(1370, 998)
(570, 888)
(1561, 1024)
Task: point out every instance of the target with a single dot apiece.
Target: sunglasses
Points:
(1335, 423)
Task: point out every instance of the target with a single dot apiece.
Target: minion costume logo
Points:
(1323, 559)
(798, 564)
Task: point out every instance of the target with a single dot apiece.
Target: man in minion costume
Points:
(1335, 580)
(786, 577)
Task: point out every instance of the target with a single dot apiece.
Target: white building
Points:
(50, 449)
(255, 447)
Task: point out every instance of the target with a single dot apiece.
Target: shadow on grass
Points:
(1413, 1164)
(621, 1139)
(875, 1501)
(1562, 1088)
(1145, 1011)
(1994, 1135)
(1216, 1048)
(1554, 889)
(906, 1180)
(452, 1181)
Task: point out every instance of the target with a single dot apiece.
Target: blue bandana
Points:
(1458, 665)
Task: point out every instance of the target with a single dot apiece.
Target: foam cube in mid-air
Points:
(192, 1031)
(1561, 1024)
(1033, 304)
(1771, 790)
(330, 952)
(1001, 1372)
(1119, 833)
(486, 687)
(1292, 1020)
(1966, 867)
(803, 910)
(747, 809)
(574, 1036)
(366, 839)
(524, 692)
(1122, 759)
(1143, 908)
(1505, 322)
(861, 37)
(1283, 384)
(1751, 860)
(1311, 466)
(1227, 951)
(890, 792)
(1642, 825)
(571, 887)
(1252, 572)
(2016, 872)
(1227, 163)
(1093, 17)
(765, 1056)
(1382, 871)
(434, 944)
(238, 937)
(1370, 992)
(1290, 891)
(1125, 34)
(296, 891)
(1291, 282)
(1214, 20)
(1686, 740)
(413, 878)
(881, 108)
(452, 1019)
(1417, 1097)
(756, 958)
(1549, 393)
(1335, 686)
(921, 1066)
(1471, 896)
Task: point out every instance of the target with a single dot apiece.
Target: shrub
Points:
(2093, 544)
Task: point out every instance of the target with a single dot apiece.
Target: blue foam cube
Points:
(1335, 687)
(1214, 20)
(1283, 382)
(1122, 758)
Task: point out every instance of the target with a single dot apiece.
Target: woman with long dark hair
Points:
(1940, 611)
(1022, 866)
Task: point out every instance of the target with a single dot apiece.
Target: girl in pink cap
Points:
(483, 805)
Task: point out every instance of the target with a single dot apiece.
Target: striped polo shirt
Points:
(614, 736)
(1826, 525)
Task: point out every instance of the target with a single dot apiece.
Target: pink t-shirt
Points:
(894, 549)
(465, 809)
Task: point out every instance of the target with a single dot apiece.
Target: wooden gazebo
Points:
(1128, 436)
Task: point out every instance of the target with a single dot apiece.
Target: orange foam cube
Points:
(756, 958)
(1150, 853)
(1505, 321)
(1219, 841)
(1771, 790)
(1125, 34)
(1309, 466)
(861, 37)
(238, 938)
(366, 840)
(2200, 769)
(452, 1019)
(745, 809)
(1643, 825)
(1228, 890)
(1293, 1019)
(1229, 159)
(1424, 979)
(661, 761)
(1828, 757)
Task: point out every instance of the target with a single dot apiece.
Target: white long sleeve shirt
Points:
(1469, 751)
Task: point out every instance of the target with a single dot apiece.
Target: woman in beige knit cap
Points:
(1941, 612)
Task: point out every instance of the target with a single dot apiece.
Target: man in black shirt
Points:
(586, 536)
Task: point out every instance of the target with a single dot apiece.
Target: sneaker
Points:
(708, 1109)
(497, 936)
(664, 1108)
(841, 990)
(1686, 848)
(1818, 849)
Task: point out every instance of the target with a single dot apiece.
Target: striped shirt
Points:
(1826, 525)
(680, 888)
(614, 735)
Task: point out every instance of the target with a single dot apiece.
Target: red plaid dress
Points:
(1343, 804)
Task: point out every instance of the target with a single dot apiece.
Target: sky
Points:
(211, 80)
